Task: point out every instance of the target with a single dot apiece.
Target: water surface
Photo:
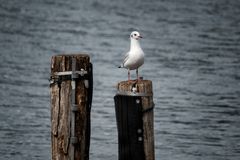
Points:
(192, 52)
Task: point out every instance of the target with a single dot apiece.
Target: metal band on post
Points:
(129, 93)
(58, 77)
(73, 139)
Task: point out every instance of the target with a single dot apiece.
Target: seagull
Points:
(134, 58)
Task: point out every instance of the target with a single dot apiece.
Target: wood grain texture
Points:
(61, 108)
(144, 86)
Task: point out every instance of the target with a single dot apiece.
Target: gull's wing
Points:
(125, 58)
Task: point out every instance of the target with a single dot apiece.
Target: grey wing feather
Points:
(125, 58)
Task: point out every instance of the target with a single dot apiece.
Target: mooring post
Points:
(71, 98)
(134, 113)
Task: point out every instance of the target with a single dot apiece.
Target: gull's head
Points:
(135, 35)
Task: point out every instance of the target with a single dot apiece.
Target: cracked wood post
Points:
(63, 147)
(134, 113)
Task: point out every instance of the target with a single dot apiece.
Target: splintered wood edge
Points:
(62, 62)
(142, 86)
(72, 55)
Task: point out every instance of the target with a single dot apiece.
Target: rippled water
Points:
(192, 52)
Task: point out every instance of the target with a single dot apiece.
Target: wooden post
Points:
(71, 95)
(134, 114)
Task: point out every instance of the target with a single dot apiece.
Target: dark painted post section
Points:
(134, 114)
(71, 98)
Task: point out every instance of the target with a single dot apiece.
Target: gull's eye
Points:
(135, 34)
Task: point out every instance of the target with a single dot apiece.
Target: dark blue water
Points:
(192, 52)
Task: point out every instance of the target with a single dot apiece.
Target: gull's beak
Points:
(140, 37)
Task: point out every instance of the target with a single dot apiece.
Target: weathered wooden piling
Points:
(134, 114)
(71, 96)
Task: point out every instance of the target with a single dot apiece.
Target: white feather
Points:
(134, 58)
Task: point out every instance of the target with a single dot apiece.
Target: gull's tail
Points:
(121, 66)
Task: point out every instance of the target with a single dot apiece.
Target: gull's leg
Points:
(128, 74)
(137, 73)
